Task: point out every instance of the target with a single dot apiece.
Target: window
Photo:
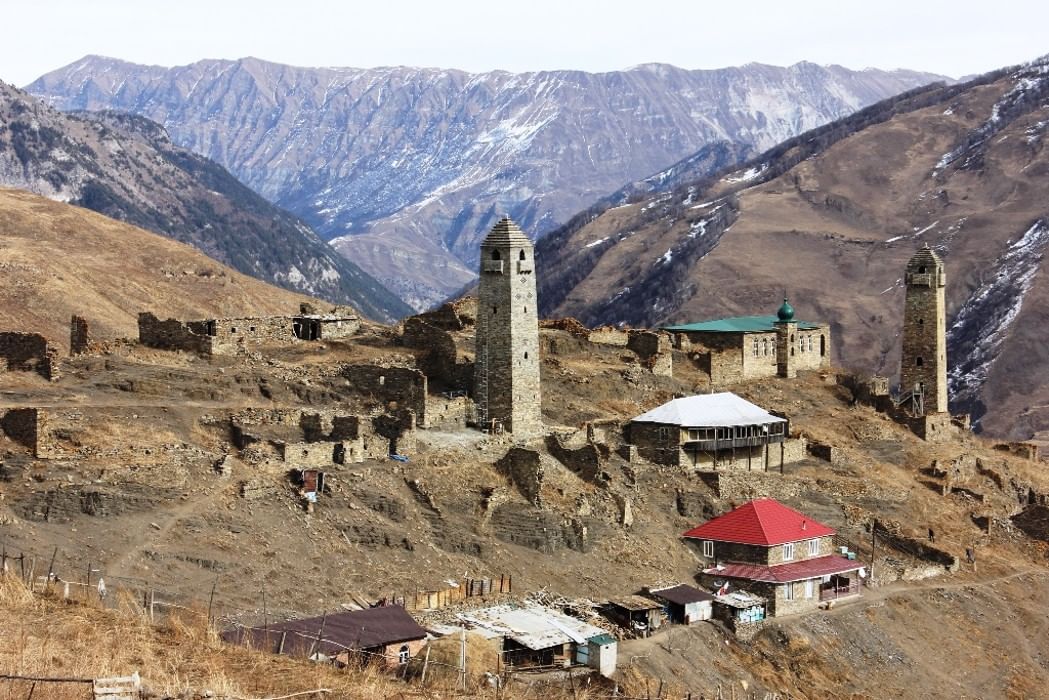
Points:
(708, 549)
(664, 433)
(233, 329)
(755, 347)
(495, 255)
(918, 361)
(921, 321)
(788, 551)
(810, 343)
(921, 269)
(404, 654)
(814, 548)
(808, 588)
(252, 329)
(521, 256)
(788, 591)
(526, 354)
(764, 347)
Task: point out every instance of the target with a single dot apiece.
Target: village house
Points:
(683, 604)
(714, 431)
(772, 551)
(387, 636)
(637, 613)
(731, 350)
(534, 636)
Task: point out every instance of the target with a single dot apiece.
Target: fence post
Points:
(51, 568)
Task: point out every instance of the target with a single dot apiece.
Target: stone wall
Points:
(654, 351)
(393, 386)
(525, 470)
(737, 485)
(655, 443)
(230, 336)
(608, 335)
(932, 427)
(23, 426)
(441, 361)
(28, 352)
(587, 461)
(79, 341)
(171, 334)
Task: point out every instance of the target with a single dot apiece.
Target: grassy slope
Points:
(59, 260)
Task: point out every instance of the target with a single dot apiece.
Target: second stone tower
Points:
(923, 362)
(506, 379)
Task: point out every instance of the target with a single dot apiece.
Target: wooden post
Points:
(211, 598)
(426, 663)
(21, 565)
(152, 601)
(51, 568)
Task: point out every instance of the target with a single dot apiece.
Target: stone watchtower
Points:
(506, 375)
(786, 336)
(923, 362)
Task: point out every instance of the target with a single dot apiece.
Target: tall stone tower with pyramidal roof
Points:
(506, 376)
(923, 362)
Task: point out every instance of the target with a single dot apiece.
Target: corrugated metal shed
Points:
(709, 411)
(533, 627)
(738, 324)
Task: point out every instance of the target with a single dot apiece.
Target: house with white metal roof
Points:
(538, 637)
(710, 432)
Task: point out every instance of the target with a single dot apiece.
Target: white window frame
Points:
(788, 551)
(814, 547)
(708, 549)
(788, 591)
(755, 347)
(809, 588)
(404, 655)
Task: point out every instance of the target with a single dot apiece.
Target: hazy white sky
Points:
(951, 37)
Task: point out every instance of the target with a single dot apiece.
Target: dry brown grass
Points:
(42, 635)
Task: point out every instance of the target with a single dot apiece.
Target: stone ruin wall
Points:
(392, 387)
(23, 425)
(79, 339)
(28, 352)
(171, 334)
(441, 361)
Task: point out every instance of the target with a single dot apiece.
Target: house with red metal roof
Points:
(765, 548)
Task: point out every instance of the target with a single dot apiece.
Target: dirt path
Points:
(157, 536)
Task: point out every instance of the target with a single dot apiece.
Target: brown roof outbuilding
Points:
(339, 632)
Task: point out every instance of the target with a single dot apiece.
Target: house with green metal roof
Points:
(735, 349)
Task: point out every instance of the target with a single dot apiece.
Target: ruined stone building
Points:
(923, 360)
(506, 374)
(746, 347)
(228, 336)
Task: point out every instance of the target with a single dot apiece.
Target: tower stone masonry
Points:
(786, 332)
(506, 380)
(923, 361)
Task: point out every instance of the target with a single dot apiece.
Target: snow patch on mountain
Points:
(982, 324)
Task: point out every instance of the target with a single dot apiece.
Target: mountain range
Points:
(831, 217)
(405, 169)
(126, 167)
